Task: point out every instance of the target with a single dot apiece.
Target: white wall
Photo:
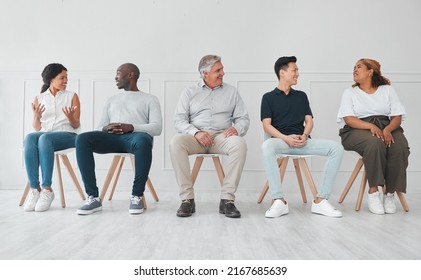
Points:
(166, 39)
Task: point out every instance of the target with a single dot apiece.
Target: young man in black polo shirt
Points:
(284, 111)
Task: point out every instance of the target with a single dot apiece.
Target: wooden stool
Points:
(351, 180)
(115, 168)
(299, 161)
(57, 155)
(198, 163)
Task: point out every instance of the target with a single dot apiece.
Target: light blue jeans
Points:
(333, 150)
(39, 152)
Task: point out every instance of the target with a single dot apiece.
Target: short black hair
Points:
(282, 63)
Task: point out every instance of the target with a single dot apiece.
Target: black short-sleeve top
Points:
(287, 111)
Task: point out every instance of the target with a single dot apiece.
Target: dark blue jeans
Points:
(137, 143)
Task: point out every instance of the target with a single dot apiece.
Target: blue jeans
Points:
(39, 151)
(333, 150)
(137, 143)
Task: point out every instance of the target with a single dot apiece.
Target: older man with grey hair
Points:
(210, 118)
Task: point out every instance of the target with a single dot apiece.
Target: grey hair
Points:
(207, 62)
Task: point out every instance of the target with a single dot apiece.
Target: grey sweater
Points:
(140, 109)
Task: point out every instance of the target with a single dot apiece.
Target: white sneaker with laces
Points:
(375, 204)
(326, 209)
(389, 203)
(277, 209)
(44, 201)
(32, 200)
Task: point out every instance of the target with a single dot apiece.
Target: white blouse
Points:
(358, 103)
(53, 118)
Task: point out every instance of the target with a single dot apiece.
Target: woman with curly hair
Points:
(373, 113)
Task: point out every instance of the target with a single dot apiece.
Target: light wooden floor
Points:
(159, 234)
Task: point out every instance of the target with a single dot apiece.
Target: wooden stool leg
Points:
(263, 193)
(110, 175)
(24, 195)
(196, 168)
(361, 192)
(351, 180)
(219, 170)
(60, 180)
(145, 206)
(72, 174)
(403, 201)
(117, 176)
(307, 173)
(152, 189)
(300, 180)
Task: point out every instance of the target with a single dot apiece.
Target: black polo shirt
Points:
(286, 111)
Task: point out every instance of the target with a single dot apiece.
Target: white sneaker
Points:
(44, 201)
(389, 203)
(31, 201)
(277, 209)
(325, 208)
(375, 205)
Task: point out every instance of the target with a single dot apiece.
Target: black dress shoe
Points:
(187, 208)
(228, 208)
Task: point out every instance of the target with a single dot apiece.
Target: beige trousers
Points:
(183, 145)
